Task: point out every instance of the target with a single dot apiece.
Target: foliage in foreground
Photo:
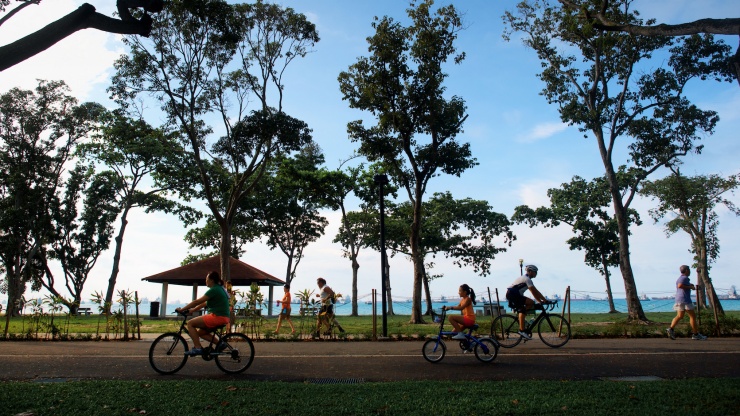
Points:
(701, 396)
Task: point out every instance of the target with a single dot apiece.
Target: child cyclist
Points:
(467, 319)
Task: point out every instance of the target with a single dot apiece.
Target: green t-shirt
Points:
(218, 301)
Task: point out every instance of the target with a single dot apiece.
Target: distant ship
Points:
(644, 297)
(585, 297)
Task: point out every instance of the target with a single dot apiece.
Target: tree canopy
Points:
(602, 83)
(211, 58)
(401, 83)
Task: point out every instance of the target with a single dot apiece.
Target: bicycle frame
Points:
(208, 352)
(544, 309)
(470, 343)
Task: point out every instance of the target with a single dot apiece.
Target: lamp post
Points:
(381, 180)
(521, 267)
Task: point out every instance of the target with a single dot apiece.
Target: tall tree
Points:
(595, 12)
(601, 82)
(134, 152)
(415, 137)
(38, 132)
(82, 219)
(691, 202)
(85, 17)
(584, 206)
(208, 58)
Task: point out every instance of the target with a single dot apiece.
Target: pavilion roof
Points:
(242, 274)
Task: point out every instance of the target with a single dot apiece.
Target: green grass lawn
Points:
(208, 397)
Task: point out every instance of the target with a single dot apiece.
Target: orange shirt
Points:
(468, 310)
(286, 301)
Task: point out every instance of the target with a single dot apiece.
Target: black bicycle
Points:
(553, 329)
(233, 353)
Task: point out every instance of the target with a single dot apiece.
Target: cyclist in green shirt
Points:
(216, 300)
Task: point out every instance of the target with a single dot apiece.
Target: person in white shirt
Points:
(521, 303)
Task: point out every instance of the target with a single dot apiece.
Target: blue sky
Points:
(521, 145)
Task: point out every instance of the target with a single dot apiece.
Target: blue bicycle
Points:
(485, 348)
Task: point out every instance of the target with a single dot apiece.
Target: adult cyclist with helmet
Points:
(519, 302)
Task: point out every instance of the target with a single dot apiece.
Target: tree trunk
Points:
(387, 275)
(355, 268)
(609, 295)
(634, 307)
(225, 251)
(428, 295)
(416, 258)
(703, 279)
(116, 260)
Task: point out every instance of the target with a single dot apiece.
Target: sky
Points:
(522, 147)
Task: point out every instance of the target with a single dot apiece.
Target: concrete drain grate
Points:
(632, 378)
(335, 380)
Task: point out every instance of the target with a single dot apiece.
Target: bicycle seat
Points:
(472, 327)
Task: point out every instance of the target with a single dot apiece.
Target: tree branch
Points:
(83, 18)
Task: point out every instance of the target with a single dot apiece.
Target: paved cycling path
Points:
(338, 361)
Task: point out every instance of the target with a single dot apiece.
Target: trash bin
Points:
(154, 310)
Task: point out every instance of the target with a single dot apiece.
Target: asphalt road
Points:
(341, 361)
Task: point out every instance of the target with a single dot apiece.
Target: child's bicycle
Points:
(553, 329)
(485, 348)
(233, 353)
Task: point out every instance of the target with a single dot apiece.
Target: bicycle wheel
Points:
(554, 330)
(238, 354)
(482, 354)
(504, 330)
(167, 353)
(434, 350)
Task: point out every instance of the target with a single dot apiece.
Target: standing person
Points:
(217, 301)
(467, 318)
(285, 311)
(685, 305)
(521, 303)
(327, 306)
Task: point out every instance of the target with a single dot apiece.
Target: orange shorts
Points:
(468, 322)
(214, 321)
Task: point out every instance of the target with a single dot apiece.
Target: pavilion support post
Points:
(195, 291)
(163, 300)
(270, 297)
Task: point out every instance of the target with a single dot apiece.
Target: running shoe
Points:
(194, 352)
(459, 335)
(671, 333)
(698, 337)
(525, 335)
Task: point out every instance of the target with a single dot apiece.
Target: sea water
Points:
(404, 308)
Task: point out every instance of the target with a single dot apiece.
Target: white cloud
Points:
(542, 131)
(534, 194)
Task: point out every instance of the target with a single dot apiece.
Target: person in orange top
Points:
(285, 311)
(467, 319)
